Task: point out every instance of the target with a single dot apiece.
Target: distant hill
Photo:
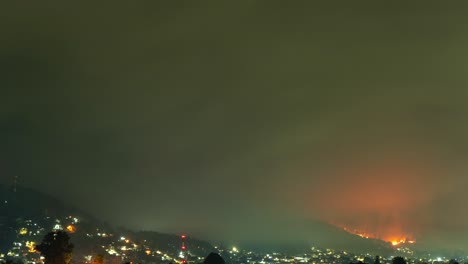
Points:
(302, 235)
(27, 203)
(39, 213)
(27, 215)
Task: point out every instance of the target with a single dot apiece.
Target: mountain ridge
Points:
(30, 204)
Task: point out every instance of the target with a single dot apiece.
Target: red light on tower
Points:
(184, 249)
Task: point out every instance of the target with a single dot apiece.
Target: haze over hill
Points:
(243, 120)
(27, 203)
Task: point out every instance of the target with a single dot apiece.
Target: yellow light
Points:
(23, 231)
(31, 246)
(148, 252)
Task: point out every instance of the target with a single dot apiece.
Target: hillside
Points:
(27, 215)
(308, 233)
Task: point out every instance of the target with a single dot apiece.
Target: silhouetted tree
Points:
(9, 260)
(377, 260)
(56, 248)
(453, 261)
(398, 260)
(213, 258)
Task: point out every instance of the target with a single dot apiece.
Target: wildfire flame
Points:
(395, 240)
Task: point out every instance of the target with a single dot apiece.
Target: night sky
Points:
(231, 120)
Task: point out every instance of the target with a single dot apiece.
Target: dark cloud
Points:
(216, 116)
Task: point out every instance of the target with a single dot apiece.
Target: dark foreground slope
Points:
(27, 215)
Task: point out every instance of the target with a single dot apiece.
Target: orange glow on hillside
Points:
(395, 240)
(377, 199)
(71, 228)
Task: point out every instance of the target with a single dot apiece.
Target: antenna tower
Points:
(183, 247)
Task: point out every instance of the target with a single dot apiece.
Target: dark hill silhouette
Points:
(28, 203)
(17, 208)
